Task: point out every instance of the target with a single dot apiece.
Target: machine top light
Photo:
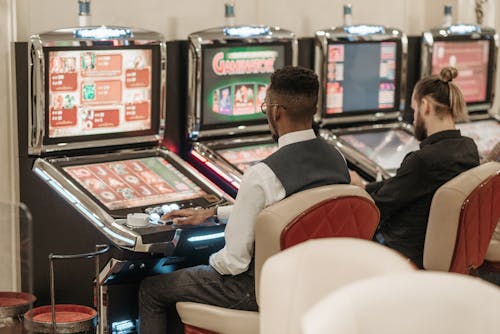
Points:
(464, 29)
(246, 31)
(364, 30)
(103, 33)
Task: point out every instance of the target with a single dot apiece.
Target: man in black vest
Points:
(302, 162)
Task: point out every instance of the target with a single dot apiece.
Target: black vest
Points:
(308, 164)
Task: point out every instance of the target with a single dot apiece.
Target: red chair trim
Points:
(466, 264)
(301, 216)
(188, 329)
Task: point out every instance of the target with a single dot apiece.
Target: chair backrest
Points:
(463, 215)
(296, 278)
(410, 303)
(340, 210)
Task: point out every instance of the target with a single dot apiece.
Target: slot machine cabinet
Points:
(228, 74)
(362, 71)
(473, 50)
(91, 102)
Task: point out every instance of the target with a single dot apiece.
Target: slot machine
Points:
(362, 70)
(93, 170)
(473, 50)
(228, 73)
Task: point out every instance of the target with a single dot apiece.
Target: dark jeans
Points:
(200, 284)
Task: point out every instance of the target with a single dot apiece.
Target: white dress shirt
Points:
(259, 188)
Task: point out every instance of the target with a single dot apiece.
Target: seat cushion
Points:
(218, 319)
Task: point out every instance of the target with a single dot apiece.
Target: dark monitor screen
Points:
(247, 156)
(471, 58)
(362, 77)
(386, 148)
(95, 93)
(484, 133)
(134, 183)
(235, 80)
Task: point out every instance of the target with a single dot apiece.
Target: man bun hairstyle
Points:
(443, 93)
(447, 74)
(299, 86)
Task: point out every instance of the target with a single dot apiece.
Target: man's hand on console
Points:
(194, 216)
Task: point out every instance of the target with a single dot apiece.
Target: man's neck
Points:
(440, 125)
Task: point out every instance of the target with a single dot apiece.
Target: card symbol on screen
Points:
(89, 92)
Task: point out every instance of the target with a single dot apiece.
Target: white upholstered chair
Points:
(463, 216)
(411, 303)
(295, 279)
(329, 211)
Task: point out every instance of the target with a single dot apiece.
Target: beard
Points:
(420, 129)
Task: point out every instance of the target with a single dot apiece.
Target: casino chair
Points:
(295, 279)
(463, 215)
(329, 211)
(410, 303)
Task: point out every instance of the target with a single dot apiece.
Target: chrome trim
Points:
(207, 37)
(230, 171)
(428, 38)
(96, 143)
(36, 82)
(356, 157)
(36, 96)
(337, 34)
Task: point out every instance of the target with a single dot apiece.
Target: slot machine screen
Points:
(386, 148)
(484, 133)
(134, 183)
(235, 80)
(471, 58)
(362, 77)
(96, 93)
(247, 156)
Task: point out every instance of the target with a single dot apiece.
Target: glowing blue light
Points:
(364, 30)
(103, 33)
(121, 326)
(206, 237)
(246, 31)
(463, 29)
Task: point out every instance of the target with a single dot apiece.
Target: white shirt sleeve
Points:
(259, 188)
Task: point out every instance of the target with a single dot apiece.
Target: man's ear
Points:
(425, 107)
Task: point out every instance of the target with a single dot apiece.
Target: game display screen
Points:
(247, 156)
(134, 183)
(95, 92)
(471, 60)
(361, 77)
(386, 148)
(484, 133)
(234, 83)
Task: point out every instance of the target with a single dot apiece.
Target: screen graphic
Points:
(361, 77)
(247, 156)
(235, 80)
(134, 183)
(386, 148)
(484, 133)
(471, 60)
(93, 92)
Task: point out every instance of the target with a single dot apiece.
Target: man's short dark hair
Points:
(299, 85)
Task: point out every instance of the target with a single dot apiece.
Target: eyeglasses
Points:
(264, 106)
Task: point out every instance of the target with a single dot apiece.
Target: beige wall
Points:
(175, 19)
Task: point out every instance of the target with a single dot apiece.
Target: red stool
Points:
(65, 318)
